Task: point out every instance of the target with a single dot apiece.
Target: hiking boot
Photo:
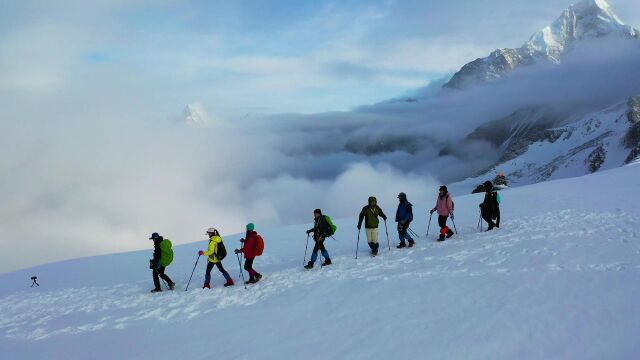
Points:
(309, 265)
(172, 287)
(251, 281)
(258, 277)
(449, 233)
(228, 283)
(401, 245)
(156, 290)
(441, 238)
(327, 262)
(206, 286)
(411, 243)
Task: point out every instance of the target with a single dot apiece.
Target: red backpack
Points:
(259, 247)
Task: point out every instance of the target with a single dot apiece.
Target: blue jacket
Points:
(404, 212)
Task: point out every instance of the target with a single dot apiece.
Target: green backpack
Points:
(166, 253)
(331, 225)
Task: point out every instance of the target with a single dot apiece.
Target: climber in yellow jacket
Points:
(216, 252)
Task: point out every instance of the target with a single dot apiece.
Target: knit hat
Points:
(250, 227)
(444, 188)
(317, 211)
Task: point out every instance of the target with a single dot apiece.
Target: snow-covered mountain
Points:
(544, 143)
(587, 19)
(194, 114)
(558, 280)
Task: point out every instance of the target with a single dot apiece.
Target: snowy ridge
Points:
(532, 289)
(587, 19)
(593, 142)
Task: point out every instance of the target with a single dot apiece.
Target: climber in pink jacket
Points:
(444, 207)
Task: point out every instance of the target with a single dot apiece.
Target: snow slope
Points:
(559, 280)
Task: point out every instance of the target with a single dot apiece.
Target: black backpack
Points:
(222, 251)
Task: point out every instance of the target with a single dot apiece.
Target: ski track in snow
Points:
(40, 315)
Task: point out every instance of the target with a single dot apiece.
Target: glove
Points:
(359, 227)
(451, 216)
(237, 251)
(200, 252)
(309, 232)
(242, 240)
(431, 211)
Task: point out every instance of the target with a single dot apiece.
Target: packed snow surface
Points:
(559, 280)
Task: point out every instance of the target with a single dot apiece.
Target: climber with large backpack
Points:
(162, 257)
(490, 206)
(323, 228)
(253, 245)
(216, 252)
(404, 217)
(444, 207)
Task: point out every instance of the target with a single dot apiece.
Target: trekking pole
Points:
(165, 284)
(241, 273)
(414, 233)
(454, 225)
(357, 244)
(194, 269)
(305, 251)
(387, 232)
(428, 226)
(242, 256)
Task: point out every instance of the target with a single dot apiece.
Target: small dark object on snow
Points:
(35, 281)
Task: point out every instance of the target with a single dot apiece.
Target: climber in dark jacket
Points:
(490, 208)
(404, 216)
(321, 230)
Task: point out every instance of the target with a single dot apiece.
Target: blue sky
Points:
(239, 57)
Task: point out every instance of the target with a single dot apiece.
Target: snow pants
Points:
(489, 216)
(372, 235)
(319, 246)
(444, 229)
(160, 273)
(403, 233)
(248, 265)
(210, 265)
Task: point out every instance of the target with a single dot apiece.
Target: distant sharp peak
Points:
(194, 114)
(586, 19)
(582, 20)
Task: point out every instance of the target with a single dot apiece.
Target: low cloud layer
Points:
(95, 167)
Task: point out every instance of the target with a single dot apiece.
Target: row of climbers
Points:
(323, 228)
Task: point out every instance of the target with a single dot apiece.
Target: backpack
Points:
(166, 253)
(453, 204)
(259, 247)
(221, 252)
(332, 226)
